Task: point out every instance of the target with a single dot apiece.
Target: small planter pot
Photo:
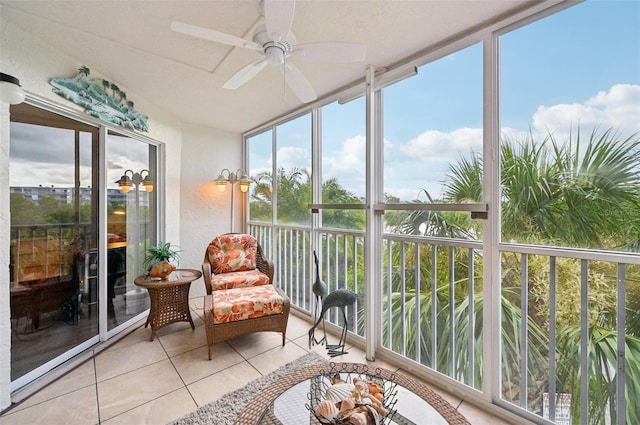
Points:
(161, 270)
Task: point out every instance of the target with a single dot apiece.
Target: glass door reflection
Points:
(131, 224)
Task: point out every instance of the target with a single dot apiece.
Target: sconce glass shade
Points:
(221, 182)
(125, 183)
(244, 185)
(222, 186)
(148, 184)
(10, 90)
(244, 181)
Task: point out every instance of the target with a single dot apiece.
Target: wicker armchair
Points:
(240, 298)
(234, 260)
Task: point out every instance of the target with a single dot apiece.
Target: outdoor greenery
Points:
(48, 210)
(294, 197)
(554, 194)
(575, 193)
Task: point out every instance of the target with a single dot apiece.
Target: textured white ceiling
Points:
(132, 45)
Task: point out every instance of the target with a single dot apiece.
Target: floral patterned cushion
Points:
(238, 279)
(232, 252)
(250, 302)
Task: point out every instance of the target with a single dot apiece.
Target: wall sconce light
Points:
(227, 177)
(10, 90)
(126, 183)
(240, 176)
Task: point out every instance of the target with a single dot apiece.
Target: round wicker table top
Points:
(176, 278)
(256, 408)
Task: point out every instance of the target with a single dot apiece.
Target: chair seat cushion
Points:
(233, 305)
(238, 280)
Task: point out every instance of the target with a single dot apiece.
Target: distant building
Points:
(66, 194)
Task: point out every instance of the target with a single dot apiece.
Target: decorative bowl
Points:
(351, 394)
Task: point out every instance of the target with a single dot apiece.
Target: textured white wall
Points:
(205, 210)
(193, 211)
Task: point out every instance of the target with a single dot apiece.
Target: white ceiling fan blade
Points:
(331, 52)
(212, 35)
(245, 74)
(278, 17)
(298, 83)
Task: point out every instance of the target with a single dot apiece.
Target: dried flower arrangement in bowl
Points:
(341, 397)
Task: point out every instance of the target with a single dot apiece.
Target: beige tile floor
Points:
(134, 381)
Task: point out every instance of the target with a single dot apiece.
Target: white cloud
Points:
(350, 157)
(438, 145)
(294, 157)
(347, 164)
(619, 108)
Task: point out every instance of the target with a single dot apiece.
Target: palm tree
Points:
(557, 194)
(446, 224)
(83, 72)
(554, 194)
(294, 196)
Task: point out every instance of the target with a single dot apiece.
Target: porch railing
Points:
(432, 311)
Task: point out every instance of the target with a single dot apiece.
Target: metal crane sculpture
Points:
(340, 298)
(320, 290)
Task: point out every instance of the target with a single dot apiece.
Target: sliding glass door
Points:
(67, 262)
(54, 206)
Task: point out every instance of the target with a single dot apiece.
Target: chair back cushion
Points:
(232, 252)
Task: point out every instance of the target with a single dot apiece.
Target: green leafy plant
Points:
(161, 253)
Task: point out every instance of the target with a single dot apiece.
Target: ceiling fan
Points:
(276, 43)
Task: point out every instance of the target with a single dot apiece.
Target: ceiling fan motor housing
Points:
(274, 52)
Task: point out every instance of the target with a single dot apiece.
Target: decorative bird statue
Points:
(320, 290)
(340, 298)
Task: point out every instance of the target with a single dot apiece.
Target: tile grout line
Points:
(95, 378)
(185, 386)
(91, 357)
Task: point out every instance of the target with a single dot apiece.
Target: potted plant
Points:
(158, 260)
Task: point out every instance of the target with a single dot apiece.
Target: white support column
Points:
(5, 235)
(373, 242)
(491, 275)
(102, 235)
(316, 195)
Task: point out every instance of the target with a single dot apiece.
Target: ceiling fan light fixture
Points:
(274, 54)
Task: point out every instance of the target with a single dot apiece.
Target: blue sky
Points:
(581, 65)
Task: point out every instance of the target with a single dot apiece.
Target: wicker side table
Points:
(169, 298)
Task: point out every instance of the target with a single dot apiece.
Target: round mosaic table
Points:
(283, 402)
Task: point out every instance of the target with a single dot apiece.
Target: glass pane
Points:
(260, 170)
(433, 127)
(571, 133)
(433, 145)
(570, 178)
(52, 173)
(293, 180)
(131, 223)
(343, 162)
